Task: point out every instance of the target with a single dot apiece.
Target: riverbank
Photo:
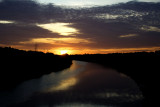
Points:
(142, 67)
(18, 65)
(83, 84)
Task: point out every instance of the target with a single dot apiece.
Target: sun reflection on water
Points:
(82, 85)
(64, 85)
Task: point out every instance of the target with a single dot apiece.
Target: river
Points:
(82, 85)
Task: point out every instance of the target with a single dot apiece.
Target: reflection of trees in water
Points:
(94, 98)
(88, 88)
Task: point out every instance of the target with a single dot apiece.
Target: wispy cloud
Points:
(150, 28)
(6, 22)
(57, 40)
(121, 14)
(63, 29)
(128, 35)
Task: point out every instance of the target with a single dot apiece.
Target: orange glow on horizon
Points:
(62, 52)
(72, 51)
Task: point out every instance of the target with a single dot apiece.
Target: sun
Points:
(62, 52)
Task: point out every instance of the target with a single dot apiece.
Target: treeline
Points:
(19, 65)
(142, 67)
(8, 51)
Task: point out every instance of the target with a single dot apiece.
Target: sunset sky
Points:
(80, 26)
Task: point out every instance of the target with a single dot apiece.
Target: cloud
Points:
(128, 36)
(28, 11)
(121, 14)
(82, 3)
(63, 29)
(12, 34)
(88, 3)
(69, 40)
(150, 28)
(23, 22)
(6, 22)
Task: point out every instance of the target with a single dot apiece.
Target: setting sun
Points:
(63, 52)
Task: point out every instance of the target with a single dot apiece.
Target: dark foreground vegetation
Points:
(17, 65)
(142, 67)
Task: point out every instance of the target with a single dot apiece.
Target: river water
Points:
(82, 85)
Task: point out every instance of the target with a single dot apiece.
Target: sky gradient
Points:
(125, 27)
